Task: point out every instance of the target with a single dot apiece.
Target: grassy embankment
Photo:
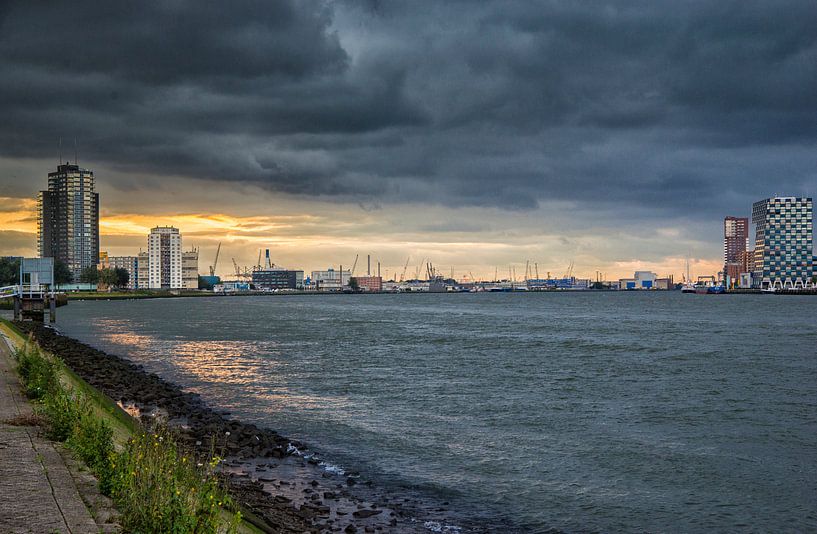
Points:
(154, 484)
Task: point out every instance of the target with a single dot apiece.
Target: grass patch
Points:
(155, 484)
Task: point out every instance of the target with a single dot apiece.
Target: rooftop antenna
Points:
(75, 151)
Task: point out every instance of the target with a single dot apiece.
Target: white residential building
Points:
(165, 258)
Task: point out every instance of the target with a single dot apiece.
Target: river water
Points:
(578, 412)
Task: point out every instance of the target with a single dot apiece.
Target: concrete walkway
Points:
(37, 491)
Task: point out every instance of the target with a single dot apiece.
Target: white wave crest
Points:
(436, 526)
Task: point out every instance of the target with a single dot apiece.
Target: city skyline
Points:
(616, 137)
(124, 235)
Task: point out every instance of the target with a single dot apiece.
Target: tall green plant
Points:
(157, 488)
(37, 373)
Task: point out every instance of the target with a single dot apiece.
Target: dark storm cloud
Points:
(675, 106)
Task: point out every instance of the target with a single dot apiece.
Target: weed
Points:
(37, 373)
(92, 440)
(61, 409)
(155, 485)
(159, 487)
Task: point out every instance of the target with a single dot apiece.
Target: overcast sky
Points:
(477, 134)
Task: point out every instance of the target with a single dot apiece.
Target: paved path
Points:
(37, 492)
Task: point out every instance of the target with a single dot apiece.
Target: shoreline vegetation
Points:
(154, 471)
(155, 484)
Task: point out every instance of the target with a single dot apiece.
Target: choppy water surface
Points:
(605, 411)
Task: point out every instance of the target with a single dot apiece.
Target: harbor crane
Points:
(215, 261)
(237, 269)
(352, 272)
(419, 266)
(258, 264)
(569, 272)
(405, 268)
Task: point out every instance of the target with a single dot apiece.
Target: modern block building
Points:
(735, 245)
(68, 219)
(190, 269)
(165, 258)
(277, 278)
(784, 240)
(272, 277)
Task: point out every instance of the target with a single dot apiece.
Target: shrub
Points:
(37, 373)
(92, 440)
(61, 412)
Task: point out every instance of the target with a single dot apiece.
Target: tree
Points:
(122, 277)
(89, 275)
(353, 284)
(62, 274)
(108, 277)
(9, 271)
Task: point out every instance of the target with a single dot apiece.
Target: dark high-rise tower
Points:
(735, 243)
(68, 221)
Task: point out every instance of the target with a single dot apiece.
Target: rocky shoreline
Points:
(277, 479)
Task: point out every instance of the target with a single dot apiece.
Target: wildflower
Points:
(227, 433)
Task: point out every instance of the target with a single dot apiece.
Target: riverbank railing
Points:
(9, 292)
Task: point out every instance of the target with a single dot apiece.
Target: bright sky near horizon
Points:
(615, 135)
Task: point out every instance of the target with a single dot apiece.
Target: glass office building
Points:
(784, 239)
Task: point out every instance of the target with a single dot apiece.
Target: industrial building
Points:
(277, 278)
(567, 283)
(784, 237)
(271, 277)
(68, 219)
(645, 280)
(369, 283)
(330, 280)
